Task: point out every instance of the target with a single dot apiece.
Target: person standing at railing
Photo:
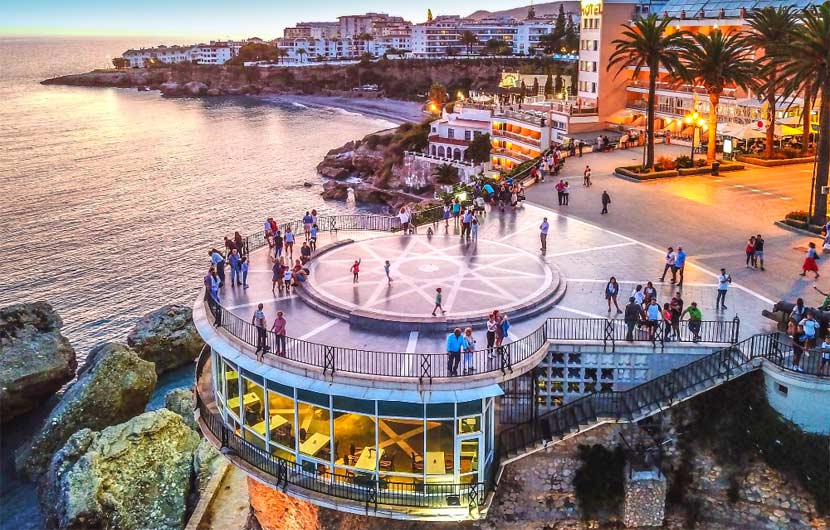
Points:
(492, 328)
(240, 244)
(469, 348)
(279, 332)
(455, 343)
(218, 261)
(654, 316)
(695, 320)
(258, 320)
(236, 267)
(808, 328)
(633, 316)
(824, 368)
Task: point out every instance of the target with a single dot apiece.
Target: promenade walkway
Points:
(503, 266)
(711, 217)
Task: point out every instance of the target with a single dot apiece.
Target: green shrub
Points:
(797, 215)
(683, 162)
(599, 481)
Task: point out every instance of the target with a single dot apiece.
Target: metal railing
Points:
(355, 487)
(660, 392)
(427, 366)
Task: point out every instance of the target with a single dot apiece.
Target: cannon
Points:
(781, 315)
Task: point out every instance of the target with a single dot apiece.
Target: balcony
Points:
(642, 87)
(536, 119)
(498, 133)
(515, 155)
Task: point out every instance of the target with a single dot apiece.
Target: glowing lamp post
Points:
(695, 120)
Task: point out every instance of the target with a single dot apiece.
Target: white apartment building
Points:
(313, 30)
(451, 135)
(432, 39)
(139, 58)
(381, 45)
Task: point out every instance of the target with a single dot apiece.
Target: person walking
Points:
(455, 343)
(612, 289)
(679, 265)
(279, 332)
(355, 270)
(586, 176)
(386, 267)
(288, 237)
(724, 280)
(276, 276)
(759, 252)
(258, 320)
(809, 261)
(466, 222)
(278, 244)
(566, 194)
(670, 260)
(606, 200)
(469, 348)
(438, 302)
(474, 228)
(543, 233)
(750, 252)
(633, 316)
(695, 320)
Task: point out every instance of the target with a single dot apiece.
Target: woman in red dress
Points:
(810, 261)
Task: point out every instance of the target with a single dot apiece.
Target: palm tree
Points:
(771, 29)
(446, 174)
(301, 52)
(808, 66)
(468, 39)
(717, 61)
(282, 53)
(647, 44)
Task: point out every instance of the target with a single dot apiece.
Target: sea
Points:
(112, 197)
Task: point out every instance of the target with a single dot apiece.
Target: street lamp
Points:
(695, 120)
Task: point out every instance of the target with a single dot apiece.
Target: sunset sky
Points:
(206, 18)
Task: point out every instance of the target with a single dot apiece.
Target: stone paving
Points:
(586, 254)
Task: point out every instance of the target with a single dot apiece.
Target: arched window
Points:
(441, 151)
(456, 155)
(432, 150)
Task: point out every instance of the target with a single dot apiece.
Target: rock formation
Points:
(113, 389)
(131, 476)
(35, 359)
(166, 337)
(180, 401)
(275, 510)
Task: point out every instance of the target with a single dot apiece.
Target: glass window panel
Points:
(231, 380)
(402, 443)
(468, 425)
(353, 405)
(314, 430)
(469, 460)
(281, 419)
(253, 404)
(440, 447)
(399, 408)
(468, 408)
(440, 410)
(313, 397)
(354, 440)
(285, 390)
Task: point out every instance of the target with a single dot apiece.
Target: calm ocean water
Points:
(111, 197)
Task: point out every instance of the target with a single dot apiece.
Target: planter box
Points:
(625, 172)
(774, 163)
(705, 170)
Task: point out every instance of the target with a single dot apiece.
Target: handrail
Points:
(427, 366)
(665, 389)
(369, 491)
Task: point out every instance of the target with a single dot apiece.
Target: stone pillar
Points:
(275, 510)
(645, 498)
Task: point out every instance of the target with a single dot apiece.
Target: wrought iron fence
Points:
(354, 487)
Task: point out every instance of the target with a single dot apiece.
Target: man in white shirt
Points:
(671, 257)
(543, 233)
(724, 280)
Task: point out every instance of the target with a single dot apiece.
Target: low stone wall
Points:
(775, 162)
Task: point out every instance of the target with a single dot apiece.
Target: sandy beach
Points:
(389, 109)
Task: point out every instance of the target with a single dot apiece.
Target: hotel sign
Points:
(591, 7)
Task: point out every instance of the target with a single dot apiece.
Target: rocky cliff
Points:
(35, 359)
(166, 337)
(114, 388)
(131, 476)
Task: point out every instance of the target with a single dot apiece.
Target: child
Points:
(286, 280)
(355, 269)
(245, 273)
(386, 267)
(438, 299)
(313, 241)
(474, 228)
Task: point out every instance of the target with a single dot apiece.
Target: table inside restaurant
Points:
(276, 422)
(247, 400)
(314, 443)
(434, 463)
(367, 459)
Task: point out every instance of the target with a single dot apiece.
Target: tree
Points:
(120, 63)
(452, 51)
(647, 44)
(549, 84)
(559, 25)
(301, 52)
(494, 46)
(282, 53)
(438, 95)
(446, 174)
(468, 39)
(535, 86)
(771, 29)
(522, 91)
(479, 149)
(571, 35)
(807, 67)
(552, 42)
(255, 52)
(717, 61)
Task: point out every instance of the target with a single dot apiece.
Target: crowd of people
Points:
(804, 327)
(463, 343)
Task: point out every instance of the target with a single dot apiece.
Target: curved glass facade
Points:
(358, 440)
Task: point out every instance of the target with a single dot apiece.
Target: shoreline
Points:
(392, 110)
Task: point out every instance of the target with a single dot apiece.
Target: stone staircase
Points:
(631, 405)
